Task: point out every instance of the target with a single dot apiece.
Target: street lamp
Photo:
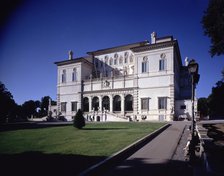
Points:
(193, 70)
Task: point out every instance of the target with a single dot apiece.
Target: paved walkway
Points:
(155, 158)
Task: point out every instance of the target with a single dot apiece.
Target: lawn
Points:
(66, 150)
(95, 139)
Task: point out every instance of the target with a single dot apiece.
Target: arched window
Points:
(111, 61)
(63, 76)
(106, 60)
(162, 64)
(95, 103)
(96, 62)
(121, 60)
(86, 104)
(116, 55)
(74, 75)
(117, 103)
(145, 65)
(106, 103)
(115, 61)
(129, 103)
(131, 58)
(126, 57)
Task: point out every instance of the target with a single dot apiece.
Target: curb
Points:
(178, 141)
(122, 154)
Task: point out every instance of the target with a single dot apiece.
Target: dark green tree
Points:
(216, 100)
(7, 104)
(43, 106)
(213, 24)
(79, 120)
(203, 107)
(29, 108)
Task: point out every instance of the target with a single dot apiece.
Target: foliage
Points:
(216, 100)
(96, 139)
(29, 108)
(203, 107)
(213, 24)
(7, 104)
(43, 105)
(79, 120)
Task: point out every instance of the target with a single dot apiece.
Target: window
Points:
(115, 61)
(106, 60)
(120, 60)
(125, 60)
(145, 103)
(96, 63)
(101, 64)
(74, 106)
(128, 102)
(106, 103)
(74, 75)
(116, 55)
(162, 102)
(126, 57)
(183, 107)
(86, 104)
(162, 64)
(95, 103)
(117, 103)
(63, 76)
(111, 61)
(63, 106)
(145, 65)
(131, 58)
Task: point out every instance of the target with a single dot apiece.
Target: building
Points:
(138, 81)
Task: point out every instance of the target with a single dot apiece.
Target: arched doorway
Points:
(117, 103)
(95, 103)
(129, 103)
(86, 104)
(106, 103)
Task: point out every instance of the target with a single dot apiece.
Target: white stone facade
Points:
(140, 81)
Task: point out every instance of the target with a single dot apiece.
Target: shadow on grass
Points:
(104, 128)
(38, 163)
(30, 125)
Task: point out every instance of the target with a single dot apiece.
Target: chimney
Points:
(70, 55)
(153, 38)
(186, 61)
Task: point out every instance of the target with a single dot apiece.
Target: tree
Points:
(203, 107)
(216, 100)
(43, 106)
(29, 108)
(213, 24)
(7, 103)
(79, 120)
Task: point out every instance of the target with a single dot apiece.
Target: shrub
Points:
(79, 120)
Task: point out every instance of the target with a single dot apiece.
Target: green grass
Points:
(95, 139)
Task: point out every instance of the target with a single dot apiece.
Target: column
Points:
(100, 103)
(111, 103)
(90, 103)
(122, 103)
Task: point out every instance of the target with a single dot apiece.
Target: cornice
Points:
(154, 46)
(109, 91)
(117, 48)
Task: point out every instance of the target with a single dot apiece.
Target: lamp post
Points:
(193, 70)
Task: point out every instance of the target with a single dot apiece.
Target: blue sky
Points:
(40, 32)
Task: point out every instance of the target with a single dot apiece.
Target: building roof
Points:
(118, 48)
(75, 60)
(161, 42)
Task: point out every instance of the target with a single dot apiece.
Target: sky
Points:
(37, 33)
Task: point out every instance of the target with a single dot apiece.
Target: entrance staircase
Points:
(105, 117)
